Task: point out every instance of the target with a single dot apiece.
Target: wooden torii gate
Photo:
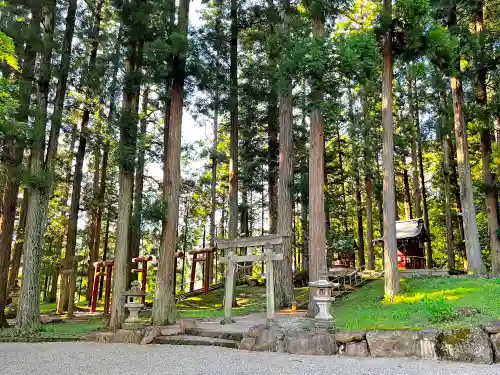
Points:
(268, 243)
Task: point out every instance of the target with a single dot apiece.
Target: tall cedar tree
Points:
(317, 235)
(133, 22)
(284, 293)
(28, 315)
(391, 275)
(164, 309)
(13, 154)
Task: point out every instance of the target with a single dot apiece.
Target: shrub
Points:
(438, 310)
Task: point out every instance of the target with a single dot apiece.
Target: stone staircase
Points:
(201, 337)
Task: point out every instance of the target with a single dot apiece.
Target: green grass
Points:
(367, 310)
(65, 330)
(249, 299)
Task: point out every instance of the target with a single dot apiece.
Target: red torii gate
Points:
(105, 269)
(206, 259)
(102, 269)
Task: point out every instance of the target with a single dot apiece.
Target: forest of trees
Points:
(322, 120)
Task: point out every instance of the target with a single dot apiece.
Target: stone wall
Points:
(477, 345)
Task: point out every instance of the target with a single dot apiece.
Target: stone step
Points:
(216, 334)
(195, 340)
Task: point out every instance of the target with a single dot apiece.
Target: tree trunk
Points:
(66, 293)
(408, 207)
(28, 315)
(18, 247)
(497, 130)
(305, 231)
(213, 186)
(428, 244)
(135, 228)
(104, 168)
(13, 152)
(446, 139)
(391, 274)
(317, 248)
(272, 158)
(233, 104)
(473, 249)
(127, 151)
(342, 186)
(369, 221)
(164, 309)
(414, 158)
(481, 98)
(447, 204)
(368, 180)
(357, 184)
(284, 293)
(93, 256)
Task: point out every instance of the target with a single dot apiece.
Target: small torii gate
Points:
(267, 242)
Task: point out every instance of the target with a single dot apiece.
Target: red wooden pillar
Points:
(95, 285)
(107, 290)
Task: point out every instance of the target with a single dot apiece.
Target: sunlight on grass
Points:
(367, 309)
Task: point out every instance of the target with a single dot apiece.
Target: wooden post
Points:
(268, 251)
(193, 272)
(228, 299)
(95, 286)
(107, 291)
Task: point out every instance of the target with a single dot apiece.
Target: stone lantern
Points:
(134, 304)
(323, 295)
(14, 296)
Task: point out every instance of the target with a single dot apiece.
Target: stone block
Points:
(170, 330)
(465, 345)
(124, 336)
(266, 342)
(255, 331)
(357, 349)
(394, 344)
(428, 344)
(345, 337)
(310, 343)
(247, 343)
(105, 337)
(495, 342)
(92, 336)
(187, 324)
(150, 334)
(492, 327)
(468, 311)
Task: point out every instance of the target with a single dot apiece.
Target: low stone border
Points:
(478, 345)
(140, 336)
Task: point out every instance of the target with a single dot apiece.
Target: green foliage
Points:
(7, 51)
(155, 210)
(439, 310)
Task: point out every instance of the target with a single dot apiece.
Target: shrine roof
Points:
(406, 229)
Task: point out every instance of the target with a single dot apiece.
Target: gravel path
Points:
(109, 359)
